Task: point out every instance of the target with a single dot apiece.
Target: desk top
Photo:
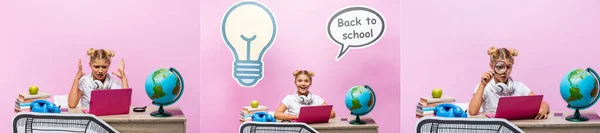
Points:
(141, 116)
(337, 123)
(556, 121)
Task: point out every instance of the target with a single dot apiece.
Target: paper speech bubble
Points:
(355, 27)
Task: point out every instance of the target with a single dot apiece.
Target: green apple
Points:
(436, 93)
(33, 90)
(254, 104)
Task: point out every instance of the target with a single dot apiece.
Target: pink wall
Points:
(42, 40)
(444, 44)
(301, 43)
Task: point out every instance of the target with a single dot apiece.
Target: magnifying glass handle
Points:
(488, 78)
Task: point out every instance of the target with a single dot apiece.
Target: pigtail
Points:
(501, 53)
(310, 73)
(110, 53)
(91, 52)
(492, 51)
(100, 54)
(513, 52)
(298, 72)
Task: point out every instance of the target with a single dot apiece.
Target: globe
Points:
(579, 88)
(360, 100)
(164, 87)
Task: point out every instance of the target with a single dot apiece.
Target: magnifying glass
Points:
(139, 109)
(500, 67)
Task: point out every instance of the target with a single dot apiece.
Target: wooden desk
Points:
(142, 122)
(558, 124)
(336, 125)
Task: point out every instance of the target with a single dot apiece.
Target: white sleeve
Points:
(116, 84)
(477, 87)
(286, 101)
(318, 100)
(523, 89)
(81, 84)
(84, 84)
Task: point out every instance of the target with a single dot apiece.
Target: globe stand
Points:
(161, 112)
(357, 121)
(577, 117)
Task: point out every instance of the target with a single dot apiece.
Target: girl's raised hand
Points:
(487, 76)
(121, 70)
(79, 71)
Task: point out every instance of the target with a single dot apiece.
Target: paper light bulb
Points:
(248, 29)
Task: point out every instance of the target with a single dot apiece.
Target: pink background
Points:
(42, 40)
(301, 43)
(444, 44)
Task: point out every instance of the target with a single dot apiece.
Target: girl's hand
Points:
(79, 71)
(543, 114)
(487, 76)
(121, 70)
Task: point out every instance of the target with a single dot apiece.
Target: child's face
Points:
(303, 83)
(99, 68)
(503, 77)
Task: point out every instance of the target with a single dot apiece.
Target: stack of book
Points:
(247, 112)
(23, 102)
(426, 105)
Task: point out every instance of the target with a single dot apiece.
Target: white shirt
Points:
(86, 85)
(293, 103)
(490, 98)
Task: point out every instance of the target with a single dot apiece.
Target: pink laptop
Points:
(110, 102)
(517, 107)
(315, 114)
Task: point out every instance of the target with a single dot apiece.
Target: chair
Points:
(465, 125)
(275, 127)
(30, 122)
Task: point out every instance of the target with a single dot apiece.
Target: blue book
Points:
(426, 109)
(17, 104)
(25, 104)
